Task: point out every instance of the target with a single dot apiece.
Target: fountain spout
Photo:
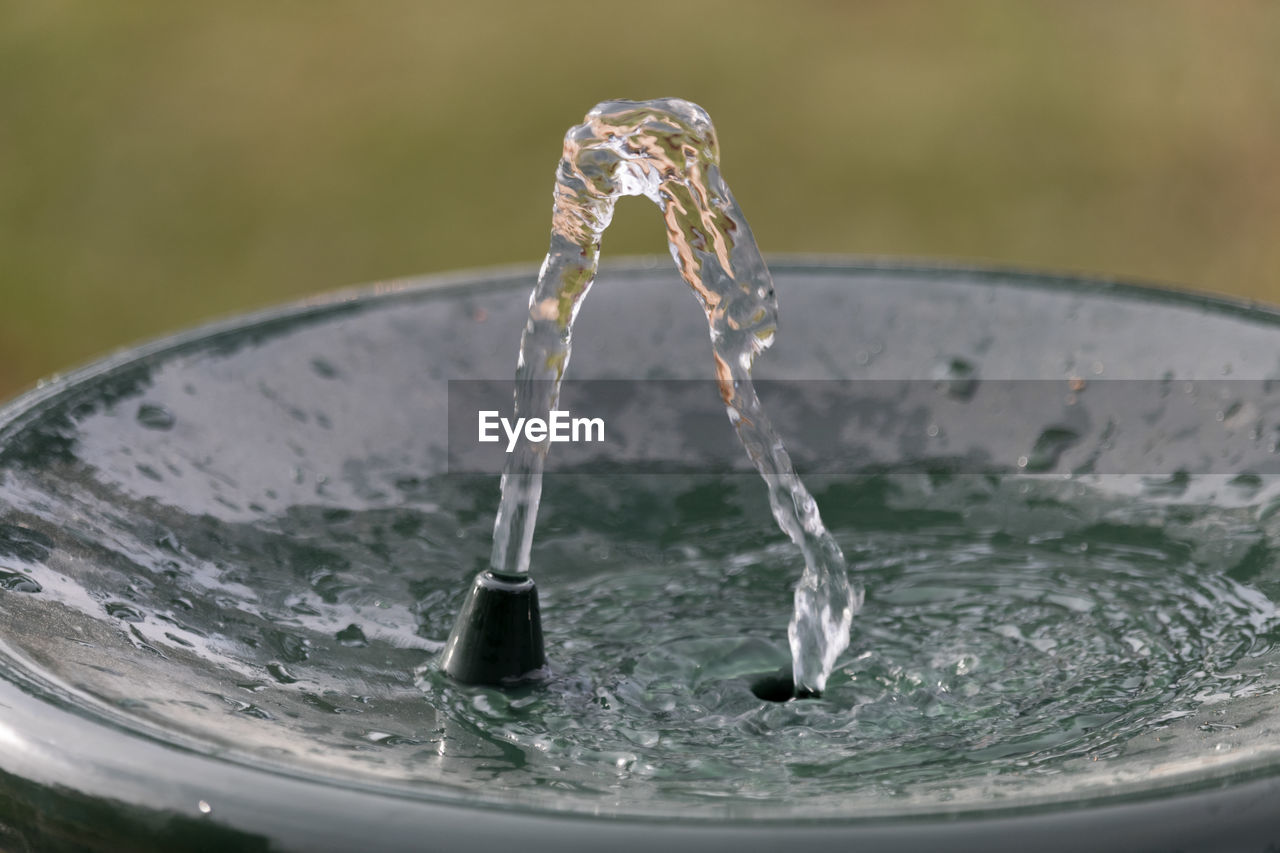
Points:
(665, 150)
(497, 638)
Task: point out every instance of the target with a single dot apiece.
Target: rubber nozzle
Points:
(497, 639)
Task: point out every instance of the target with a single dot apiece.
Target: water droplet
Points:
(1049, 446)
(352, 636)
(255, 712)
(957, 377)
(280, 674)
(155, 416)
(389, 739)
(127, 612)
(18, 582)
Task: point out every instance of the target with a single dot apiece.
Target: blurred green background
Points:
(162, 163)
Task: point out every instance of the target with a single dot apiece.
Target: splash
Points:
(666, 151)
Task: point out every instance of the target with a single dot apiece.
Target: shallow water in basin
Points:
(1018, 632)
(1016, 637)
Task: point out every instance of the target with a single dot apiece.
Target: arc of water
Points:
(666, 150)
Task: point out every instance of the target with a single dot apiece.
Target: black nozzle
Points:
(497, 639)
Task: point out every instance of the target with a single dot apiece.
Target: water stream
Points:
(666, 151)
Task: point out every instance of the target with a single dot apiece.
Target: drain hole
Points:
(779, 687)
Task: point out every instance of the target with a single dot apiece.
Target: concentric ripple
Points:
(979, 649)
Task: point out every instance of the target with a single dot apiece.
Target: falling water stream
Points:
(666, 151)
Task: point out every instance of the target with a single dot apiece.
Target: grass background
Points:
(162, 163)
